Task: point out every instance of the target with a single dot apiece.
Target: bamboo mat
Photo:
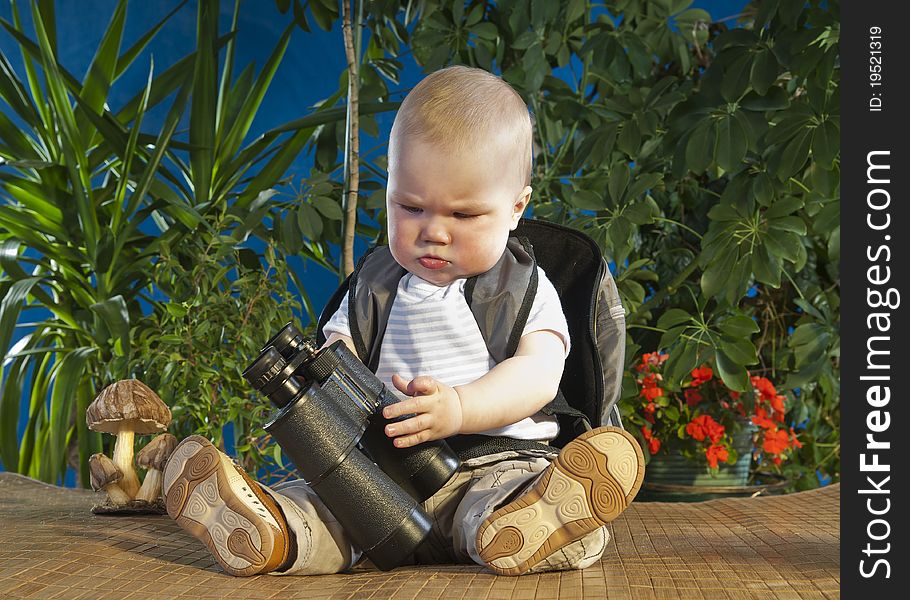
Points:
(52, 546)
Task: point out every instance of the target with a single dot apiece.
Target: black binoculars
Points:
(330, 424)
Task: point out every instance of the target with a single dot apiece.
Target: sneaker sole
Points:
(590, 483)
(199, 497)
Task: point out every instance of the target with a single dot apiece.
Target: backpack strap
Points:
(371, 293)
(501, 298)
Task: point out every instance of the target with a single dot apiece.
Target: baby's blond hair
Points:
(463, 109)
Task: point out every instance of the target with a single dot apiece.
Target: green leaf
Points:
(731, 144)
(670, 336)
(795, 155)
(740, 351)
(782, 244)
(619, 179)
(764, 71)
(9, 410)
(834, 245)
(586, 200)
(641, 213)
(733, 375)
(671, 318)
(244, 118)
(309, 222)
(629, 139)
(793, 224)
(68, 373)
(765, 265)
(826, 143)
(202, 115)
(738, 326)
(736, 78)
(699, 147)
(328, 207)
(11, 306)
(763, 189)
(115, 315)
(101, 71)
(716, 275)
(784, 207)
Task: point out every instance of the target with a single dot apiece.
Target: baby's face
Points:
(449, 218)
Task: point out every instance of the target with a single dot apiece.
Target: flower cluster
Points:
(701, 419)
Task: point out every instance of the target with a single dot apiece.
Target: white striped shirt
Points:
(431, 331)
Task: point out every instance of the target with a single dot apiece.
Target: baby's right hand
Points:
(436, 408)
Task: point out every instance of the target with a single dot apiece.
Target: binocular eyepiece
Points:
(330, 425)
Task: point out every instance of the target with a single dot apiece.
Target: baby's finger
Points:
(408, 426)
(405, 407)
(401, 383)
(412, 440)
(422, 386)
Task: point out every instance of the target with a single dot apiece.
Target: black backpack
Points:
(590, 385)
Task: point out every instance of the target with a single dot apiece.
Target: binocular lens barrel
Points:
(330, 425)
(380, 517)
(421, 470)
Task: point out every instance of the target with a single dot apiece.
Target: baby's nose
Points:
(435, 232)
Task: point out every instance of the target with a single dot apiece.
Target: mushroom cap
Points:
(156, 452)
(103, 471)
(128, 404)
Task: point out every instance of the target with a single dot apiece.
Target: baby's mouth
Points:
(432, 262)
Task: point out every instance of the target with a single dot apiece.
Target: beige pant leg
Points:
(492, 486)
(322, 545)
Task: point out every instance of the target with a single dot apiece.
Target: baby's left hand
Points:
(436, 408)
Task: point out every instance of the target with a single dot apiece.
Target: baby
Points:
(459, 168)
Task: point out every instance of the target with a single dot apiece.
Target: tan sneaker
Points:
(215, 500)
(590, 483)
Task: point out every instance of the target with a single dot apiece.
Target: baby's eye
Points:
(410, 209)
(459, 215)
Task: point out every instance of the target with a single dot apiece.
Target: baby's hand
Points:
(436, 408)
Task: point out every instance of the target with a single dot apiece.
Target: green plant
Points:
(702, 158)
(194, 346)
(90, 202)
(71, 245)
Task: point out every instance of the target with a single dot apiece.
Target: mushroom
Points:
(153, 457)
(126, 408)
(105, 476)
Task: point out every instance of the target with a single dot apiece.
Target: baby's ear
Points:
(521, 203)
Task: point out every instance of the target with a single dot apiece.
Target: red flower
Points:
(693, 397)
(701, 375)
(653, 358)
(776, 441)
(761, 419)
(716, 452)
(777, 403)
(651, 379)
(793, 440)
(705, 426)
(650, 393)
(653, 445)
(653, 442)
(764, 387)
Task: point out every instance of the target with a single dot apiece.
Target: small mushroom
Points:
(105, 475)
(126, 408)
(153, 457)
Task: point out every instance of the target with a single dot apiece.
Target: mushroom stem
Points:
(151, 486)
(116, 494)
(123, 458)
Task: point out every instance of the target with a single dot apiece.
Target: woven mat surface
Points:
(52, 546)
